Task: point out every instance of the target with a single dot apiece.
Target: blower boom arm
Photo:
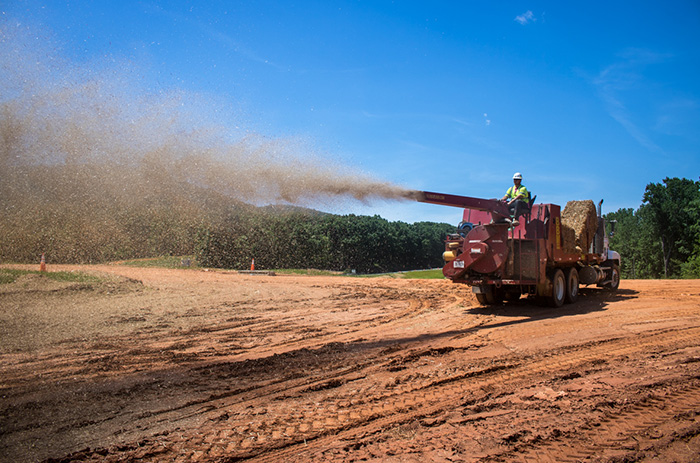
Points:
(494, 206)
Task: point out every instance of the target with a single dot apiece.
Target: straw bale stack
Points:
(568, 238)
(579, 224)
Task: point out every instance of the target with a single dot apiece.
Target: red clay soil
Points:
(191, 365)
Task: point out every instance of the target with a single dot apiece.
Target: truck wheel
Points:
(483, 300)
(571, 275)
(558, 289)
(614, 277)
(492, 296)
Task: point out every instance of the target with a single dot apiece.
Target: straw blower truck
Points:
(546, 255)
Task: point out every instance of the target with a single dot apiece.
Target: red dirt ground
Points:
(191, 365)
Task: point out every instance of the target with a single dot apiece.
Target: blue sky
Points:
(589, 100)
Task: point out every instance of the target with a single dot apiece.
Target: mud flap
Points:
(545, 288)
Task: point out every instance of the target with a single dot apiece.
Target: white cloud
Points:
(526, 17)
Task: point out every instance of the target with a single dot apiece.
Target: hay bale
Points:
(579, 224)
(568, 238)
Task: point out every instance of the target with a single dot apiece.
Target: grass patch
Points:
(181, 262)
(163, 262)
(309, 271)
(8, 276)
(434, 274)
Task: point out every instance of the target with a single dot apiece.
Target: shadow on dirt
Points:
(589, 300)
(521, 311)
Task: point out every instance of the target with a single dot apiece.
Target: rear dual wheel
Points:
(564, 287)
(571, 275)
(558, 289)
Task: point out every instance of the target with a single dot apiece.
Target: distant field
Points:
(189, 261)
(162, 262)
(8, 276)
(435, 273)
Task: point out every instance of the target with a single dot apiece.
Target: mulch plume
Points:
(579, 224)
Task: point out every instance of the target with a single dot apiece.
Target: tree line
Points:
(365, 244)
(661, 239)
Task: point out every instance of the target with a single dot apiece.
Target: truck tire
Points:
(614, 278)
(558, 289)
(571, 275)
(492, 296)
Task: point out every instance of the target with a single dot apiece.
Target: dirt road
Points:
(189, 365)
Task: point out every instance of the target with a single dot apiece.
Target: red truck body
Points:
(502, 260)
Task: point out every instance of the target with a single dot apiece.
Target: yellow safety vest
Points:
(513, 192)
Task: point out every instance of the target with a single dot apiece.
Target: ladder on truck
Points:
(528, 267)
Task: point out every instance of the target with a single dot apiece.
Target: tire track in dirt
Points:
(161, 418)
(354, 414)
(443, 394)
(291, 374)
(275, 391)
(181, 347)
(620, 436)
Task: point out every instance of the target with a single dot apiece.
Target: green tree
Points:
(691, 268)
(673, 215)
(323, 241)
(636, 242)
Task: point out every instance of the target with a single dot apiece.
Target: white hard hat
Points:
(517, 176)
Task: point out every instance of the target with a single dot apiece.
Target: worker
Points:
(517, 197)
